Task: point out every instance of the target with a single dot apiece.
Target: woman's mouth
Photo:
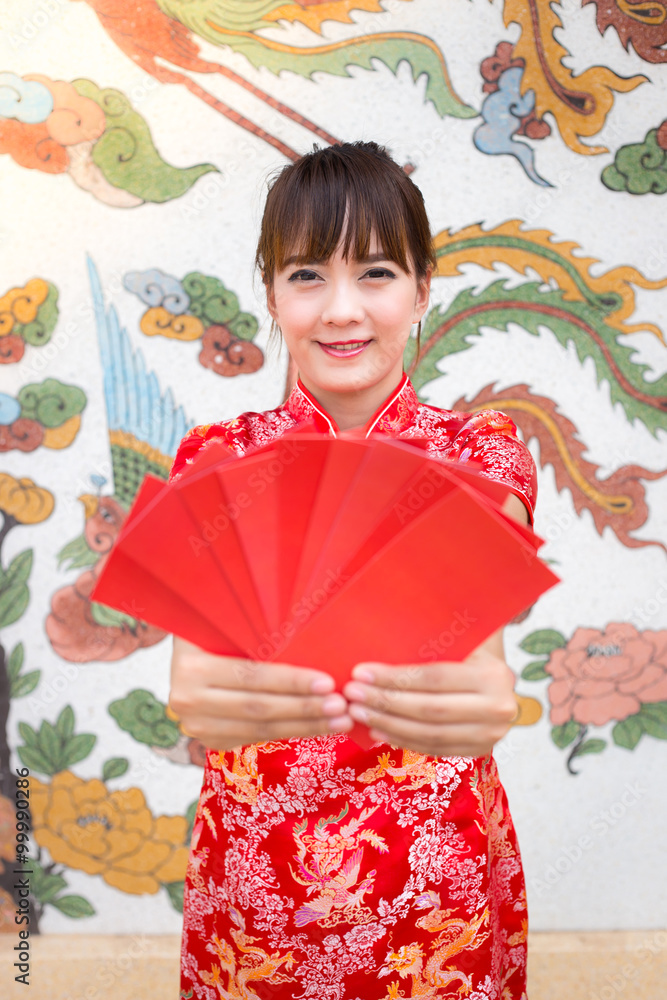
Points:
(349, 349)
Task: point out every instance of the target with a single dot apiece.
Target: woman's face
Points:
(346, 322)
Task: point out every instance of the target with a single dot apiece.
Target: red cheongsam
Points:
(320, 870)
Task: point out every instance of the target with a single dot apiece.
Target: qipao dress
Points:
(321, 870)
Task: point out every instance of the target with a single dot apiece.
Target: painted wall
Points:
(135, 145)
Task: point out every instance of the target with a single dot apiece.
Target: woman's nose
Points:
(342, 305)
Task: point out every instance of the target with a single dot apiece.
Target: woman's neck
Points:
(354, 409)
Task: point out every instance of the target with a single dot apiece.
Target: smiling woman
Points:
(346, 256)
(294, 817)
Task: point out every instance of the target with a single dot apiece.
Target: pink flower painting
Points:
(607, 676)
(617, 675)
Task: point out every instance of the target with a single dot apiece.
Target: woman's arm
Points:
(445, 709)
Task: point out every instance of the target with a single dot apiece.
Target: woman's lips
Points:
(344, 350)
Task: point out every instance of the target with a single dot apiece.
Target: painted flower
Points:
(605, 676)
(112, 834)
(22, 500)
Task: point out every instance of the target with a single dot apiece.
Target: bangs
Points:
(341, 196)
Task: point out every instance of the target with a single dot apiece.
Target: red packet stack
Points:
(325, 552)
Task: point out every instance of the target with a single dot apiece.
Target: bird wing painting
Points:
(145, 427)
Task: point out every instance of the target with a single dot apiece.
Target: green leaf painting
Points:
(51, 402)
(566, 734)
(590, 746)
(73, 906)
(39, 331)
(543, 641)
(110, 618)
(638, 168)
(54, 748)
(77, 554)
(14, 594)
(115, 767)
(126, 154)
(535, 671)
(210, 301)
(144, 717)
(175, 892)
(628, 733)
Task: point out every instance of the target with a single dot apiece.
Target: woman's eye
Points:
(303, 275)
(380, 272)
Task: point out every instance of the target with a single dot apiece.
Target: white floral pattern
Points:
(320, 870)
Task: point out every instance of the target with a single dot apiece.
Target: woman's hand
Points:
(227, 702)
(443, 709)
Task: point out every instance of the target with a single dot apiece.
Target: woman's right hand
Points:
(228, 702)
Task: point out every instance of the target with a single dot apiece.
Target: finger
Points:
(439, 709)
(408, 731)
(429, 750)
(455, 741)
(224, 734)
(434, 677)
(280, 678)
(265, 705)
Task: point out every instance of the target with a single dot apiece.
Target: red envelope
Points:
(326, 552)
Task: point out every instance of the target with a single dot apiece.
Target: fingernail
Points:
(340, 724)
(355, 692)
(322, 685)
(334, 705)
(363, 674)
(359, 713)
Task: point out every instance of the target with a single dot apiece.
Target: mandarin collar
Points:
(393, 416)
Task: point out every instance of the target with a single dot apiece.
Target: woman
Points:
(318, 869)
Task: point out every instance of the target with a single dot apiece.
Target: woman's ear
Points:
(271, 300)
(423, 294)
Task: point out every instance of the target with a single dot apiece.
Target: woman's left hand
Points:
(443, 709)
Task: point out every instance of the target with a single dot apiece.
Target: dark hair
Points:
(348, 190)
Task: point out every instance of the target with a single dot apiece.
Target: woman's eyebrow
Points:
(372, 258)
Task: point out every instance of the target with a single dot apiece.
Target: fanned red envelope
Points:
(325, 552)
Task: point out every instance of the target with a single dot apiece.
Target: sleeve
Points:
(489, 438)
(193, 441)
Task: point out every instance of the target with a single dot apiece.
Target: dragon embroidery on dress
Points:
(456, 935)
(419, 769)
(255, 964)
(495, 823)
(329, 875)
(244, 777)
